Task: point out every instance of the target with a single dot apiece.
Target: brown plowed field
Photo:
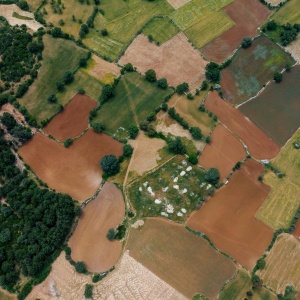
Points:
(73, 119)
(176, 60)
(296, 232)
(228, 218)
(89, 242)
(180, 258)
(74, 170)
(223, 152)
(257, 141)
(248, 16)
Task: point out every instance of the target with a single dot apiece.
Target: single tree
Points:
(176, 146)
(111, 234)
(212, 176)
(150, 75)
(80, 267)
(110, 164)
(104, 32)
(277, 77)
(181, 88)
(162, 83)
(246, 42)
(127, 150)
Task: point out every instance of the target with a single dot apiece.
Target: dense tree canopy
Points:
(110, 164)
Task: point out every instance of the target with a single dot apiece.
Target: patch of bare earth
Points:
(294, 49)
(7, 11)
(178, 3)
(176, 60)
(130, 280)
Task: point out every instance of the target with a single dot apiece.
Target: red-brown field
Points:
(74, 170)
(257, 141)
(176, 60)
(248, 16)
(228, 218)
(73, 119)
(89, 242)
(296, 232)
(223, 152)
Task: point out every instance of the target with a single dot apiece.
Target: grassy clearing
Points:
(135, 99)
(192, 12)
(122, 21)
(59, 56)
(16, 15)
(161, 29)
(33, 5)
(290, 12)
(209, 28)
(170, 201)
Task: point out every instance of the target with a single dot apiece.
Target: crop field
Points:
(258, 142)
(238, 202)
(176, 60)
(161, 29)
(283, 264)
(247, 16)
(59, 56)
(161, 246)
(282, 203)
(289, 13)
(172, 191)
(74, 170)
(135, 99)
(294, 49)
(223, 152)
(89, 242)
(251, 68)
(281, 101)
(237, 289)
(122, 20)
(296, 232)
(178, 3)
(73, 120)
(4, 295)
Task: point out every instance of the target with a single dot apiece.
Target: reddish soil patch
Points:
(89, 242)
(248, 16)
(257, 141)
(74, 170)
(296, 232)
(176, 60)
(228, 218)
(73, 119)
(223, 152)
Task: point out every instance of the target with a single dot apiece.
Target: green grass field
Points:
(16, 15)
(135, 99)
(289, 13)
(122, 19)
(59, 56)
(161, 29)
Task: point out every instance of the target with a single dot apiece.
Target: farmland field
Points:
(283, 264)
(59, 56)
(4, 295)
(73, 119)
(289, 13)
(223, 152)
(161, 246)
(74, 170)
(247, 15)
(296, 232)
(178, 3)
(251, 68)
(135, 99)
(89, 242)
(281, 102)
(257, 141)
(238, 202)
(176, 60)
(294, 49)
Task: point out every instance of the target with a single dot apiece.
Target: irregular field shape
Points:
(228, 217)
(178, 3)
(130, 280)
(257, 141)
(283, 264)
(289, 13)
(294, 49)
(73, 120)
(176, 60)
(5, 295)
(74, 170)
(296, 232)
(251, 68)
(282, 203)
(168, 250)
(248, 16)
(277, 109)
(59, 56)
(89, 242)
(223, 152)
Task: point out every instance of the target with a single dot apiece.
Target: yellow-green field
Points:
(288, 13)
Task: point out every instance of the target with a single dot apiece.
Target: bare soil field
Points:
(248, 16)
(4, 295)
(7, 11)
(259, 144)
(277, 109)
(168, 250)
(178, 3)
(244, 238)
(176, 60)
(73, 120)
(74, 170)
(294, 49)
(130, 280)
(296, 232)
(89, 242)
(223, 152)
(283, 264)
